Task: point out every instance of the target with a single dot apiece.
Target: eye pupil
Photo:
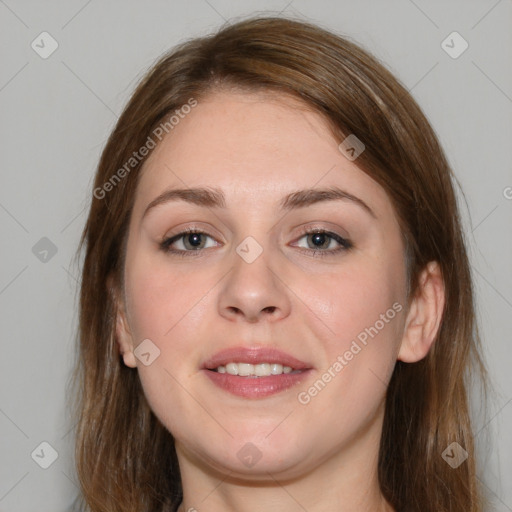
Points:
(318, 238)
(194, 239)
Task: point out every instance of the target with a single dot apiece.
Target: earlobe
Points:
(123, 335)
(424, 316)
(124, 340)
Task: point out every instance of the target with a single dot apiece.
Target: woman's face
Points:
(256, 280)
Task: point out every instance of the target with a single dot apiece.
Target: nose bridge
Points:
(253, 288)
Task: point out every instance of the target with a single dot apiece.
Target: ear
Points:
(424, 316)
(123, 334)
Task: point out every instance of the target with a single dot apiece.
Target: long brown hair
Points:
(125, 458)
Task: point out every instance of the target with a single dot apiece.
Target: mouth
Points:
(255, 372)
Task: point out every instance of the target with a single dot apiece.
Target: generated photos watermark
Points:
(137, 156)
(304, 397)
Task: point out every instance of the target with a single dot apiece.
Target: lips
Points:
(256, 355)
(250, 386)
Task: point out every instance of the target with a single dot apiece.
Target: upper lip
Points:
(254, 355)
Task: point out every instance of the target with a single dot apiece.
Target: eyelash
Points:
(345, 244)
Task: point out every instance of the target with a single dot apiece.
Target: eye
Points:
(321, 242)
(187, 241)
(191, 242)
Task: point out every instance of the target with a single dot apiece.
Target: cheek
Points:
(363, 312)
(351, 300)
(166, 306)
(163, 300)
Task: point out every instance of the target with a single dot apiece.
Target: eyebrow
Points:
(214, 198)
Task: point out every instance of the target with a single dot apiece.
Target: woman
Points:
(276, 305)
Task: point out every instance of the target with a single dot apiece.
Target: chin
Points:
(252, 460)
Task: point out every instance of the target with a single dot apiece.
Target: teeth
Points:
(254, 370)
(276, 369)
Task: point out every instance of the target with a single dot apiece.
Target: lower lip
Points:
(256, 387)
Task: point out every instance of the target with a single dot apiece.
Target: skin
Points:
(321, 456)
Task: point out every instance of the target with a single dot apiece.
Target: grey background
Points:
(56, 114)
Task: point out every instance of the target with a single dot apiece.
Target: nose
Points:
(254, 292)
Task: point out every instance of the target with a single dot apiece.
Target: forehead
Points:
(256, 147)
